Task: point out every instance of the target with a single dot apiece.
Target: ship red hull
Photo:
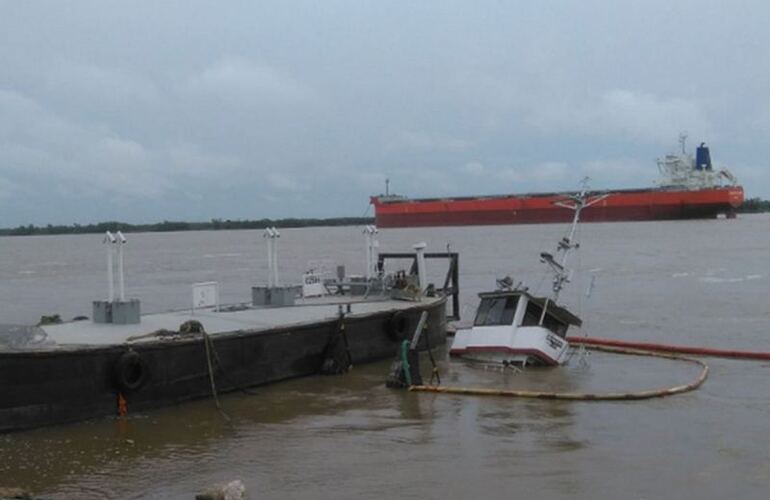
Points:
(625, 205)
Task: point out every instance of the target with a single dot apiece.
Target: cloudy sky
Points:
(187, 110)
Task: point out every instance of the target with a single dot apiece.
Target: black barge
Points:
(79, 370)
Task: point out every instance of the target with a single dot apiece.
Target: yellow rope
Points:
(584, 396)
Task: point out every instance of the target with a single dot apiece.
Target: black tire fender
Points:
(130, 371)
(399, 326)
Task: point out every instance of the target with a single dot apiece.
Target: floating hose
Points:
(699, 351)
(405, 362)
(586, 396)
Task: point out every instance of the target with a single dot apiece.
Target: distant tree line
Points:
(754, 205)
(166, 226)
(751, 205)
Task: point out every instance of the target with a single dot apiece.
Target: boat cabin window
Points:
(494, 311)
(532, 318)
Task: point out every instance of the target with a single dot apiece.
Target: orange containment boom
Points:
(648, 346)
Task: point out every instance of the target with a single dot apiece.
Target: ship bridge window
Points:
(532, 318)
(495, 311)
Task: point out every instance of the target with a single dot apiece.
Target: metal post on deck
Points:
(368, 239)
(277, 235)
(373, 258)
(268, 235)
(120, 311)
(271, 235)
(421, 270)
(269, 242)
(121, 282)
(371, 252)
(109, 240)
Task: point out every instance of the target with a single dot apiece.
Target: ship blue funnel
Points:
(702, 157)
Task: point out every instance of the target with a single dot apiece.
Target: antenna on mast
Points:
(387, 187)
(561, 274)
(682, 139)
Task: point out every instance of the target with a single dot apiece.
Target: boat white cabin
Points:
(510, 328)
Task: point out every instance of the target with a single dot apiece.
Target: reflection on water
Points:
(349, 436)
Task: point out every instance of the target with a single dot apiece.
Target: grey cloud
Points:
(285, 182)
(631, 114)
(250, 83)
(268, 108)
(540, 174)
(89, 161)
(7, 188)
(429, 141)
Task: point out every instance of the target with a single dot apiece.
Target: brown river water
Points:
(703, 283)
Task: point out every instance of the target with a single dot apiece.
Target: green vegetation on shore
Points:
(754, 205)
(165, 226)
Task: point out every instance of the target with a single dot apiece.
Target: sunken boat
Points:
(513, 327)
(121, 361)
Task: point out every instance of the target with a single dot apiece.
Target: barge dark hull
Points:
(39, 388)
(624, 205)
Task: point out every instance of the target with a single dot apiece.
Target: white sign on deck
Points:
(205, 295)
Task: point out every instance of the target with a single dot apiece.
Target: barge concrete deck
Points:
(87, 333)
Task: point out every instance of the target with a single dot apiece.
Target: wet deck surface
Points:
(306, 311)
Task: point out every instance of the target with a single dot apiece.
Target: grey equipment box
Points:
(117, 312)
(275, 296)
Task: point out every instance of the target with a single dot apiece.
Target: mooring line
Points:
(208, 347)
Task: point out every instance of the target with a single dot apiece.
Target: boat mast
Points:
(561, 274)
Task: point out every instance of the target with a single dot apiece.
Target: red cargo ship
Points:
(690, 189)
